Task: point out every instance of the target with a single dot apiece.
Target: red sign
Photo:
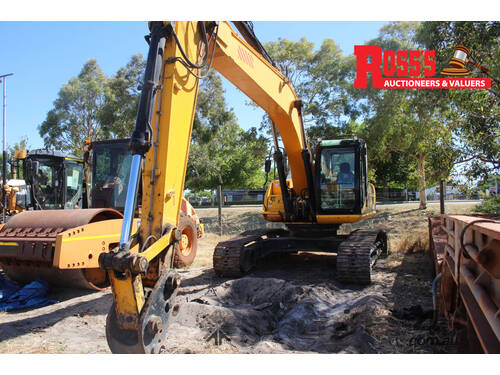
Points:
(389, 69)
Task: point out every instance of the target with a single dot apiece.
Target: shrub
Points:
(490, 205)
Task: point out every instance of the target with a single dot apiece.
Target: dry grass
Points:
(410, 242)
(206, 246)
(405, 224)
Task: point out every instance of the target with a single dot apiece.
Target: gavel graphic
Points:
(458, 62)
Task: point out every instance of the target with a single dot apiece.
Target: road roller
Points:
(63, 245)
(52, 180)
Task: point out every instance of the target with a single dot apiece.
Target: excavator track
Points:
(236, 257)
(357, 255)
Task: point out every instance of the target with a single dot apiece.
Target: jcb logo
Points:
(245, 56)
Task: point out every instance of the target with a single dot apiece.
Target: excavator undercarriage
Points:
(356, 252)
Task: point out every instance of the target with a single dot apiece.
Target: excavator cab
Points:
(54, 180)
(341, 177)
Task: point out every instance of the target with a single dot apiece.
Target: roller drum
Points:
(27, 244)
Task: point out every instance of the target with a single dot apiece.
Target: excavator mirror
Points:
(86, 155)
(267, 166)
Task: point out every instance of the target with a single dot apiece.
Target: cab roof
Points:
(54, 154)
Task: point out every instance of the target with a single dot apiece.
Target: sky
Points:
(44, 55)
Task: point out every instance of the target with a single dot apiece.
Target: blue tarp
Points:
(34, 294)
(7, 288)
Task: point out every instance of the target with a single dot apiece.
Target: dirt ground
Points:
(289, 304)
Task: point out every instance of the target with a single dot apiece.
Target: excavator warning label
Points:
(245, 56)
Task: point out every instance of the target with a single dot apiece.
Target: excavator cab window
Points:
(338, 177)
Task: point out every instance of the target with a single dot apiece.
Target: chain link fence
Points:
(384, 194)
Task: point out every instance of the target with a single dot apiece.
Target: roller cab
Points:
(54, 180)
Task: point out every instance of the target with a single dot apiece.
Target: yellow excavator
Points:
(323, 191)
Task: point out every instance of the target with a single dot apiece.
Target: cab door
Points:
(339, 180)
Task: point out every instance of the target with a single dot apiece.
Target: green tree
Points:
(393, 171)
(76, 112)
(22, 144)
(418, 123)
(479, 132)
(320, 78)
(221, 152)
(122, 95)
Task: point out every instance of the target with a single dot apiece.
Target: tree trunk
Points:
(421, 182)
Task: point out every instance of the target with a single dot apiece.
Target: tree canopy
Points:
(122, 93)
(415, 137)
(221, 152)
(417, 123)
(75, 116)
(479, 131)
(93, 106)
(321, 79)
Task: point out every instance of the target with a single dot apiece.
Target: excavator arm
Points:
(143, 283)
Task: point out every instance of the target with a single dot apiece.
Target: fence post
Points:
(441, 196)
(219, 194)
